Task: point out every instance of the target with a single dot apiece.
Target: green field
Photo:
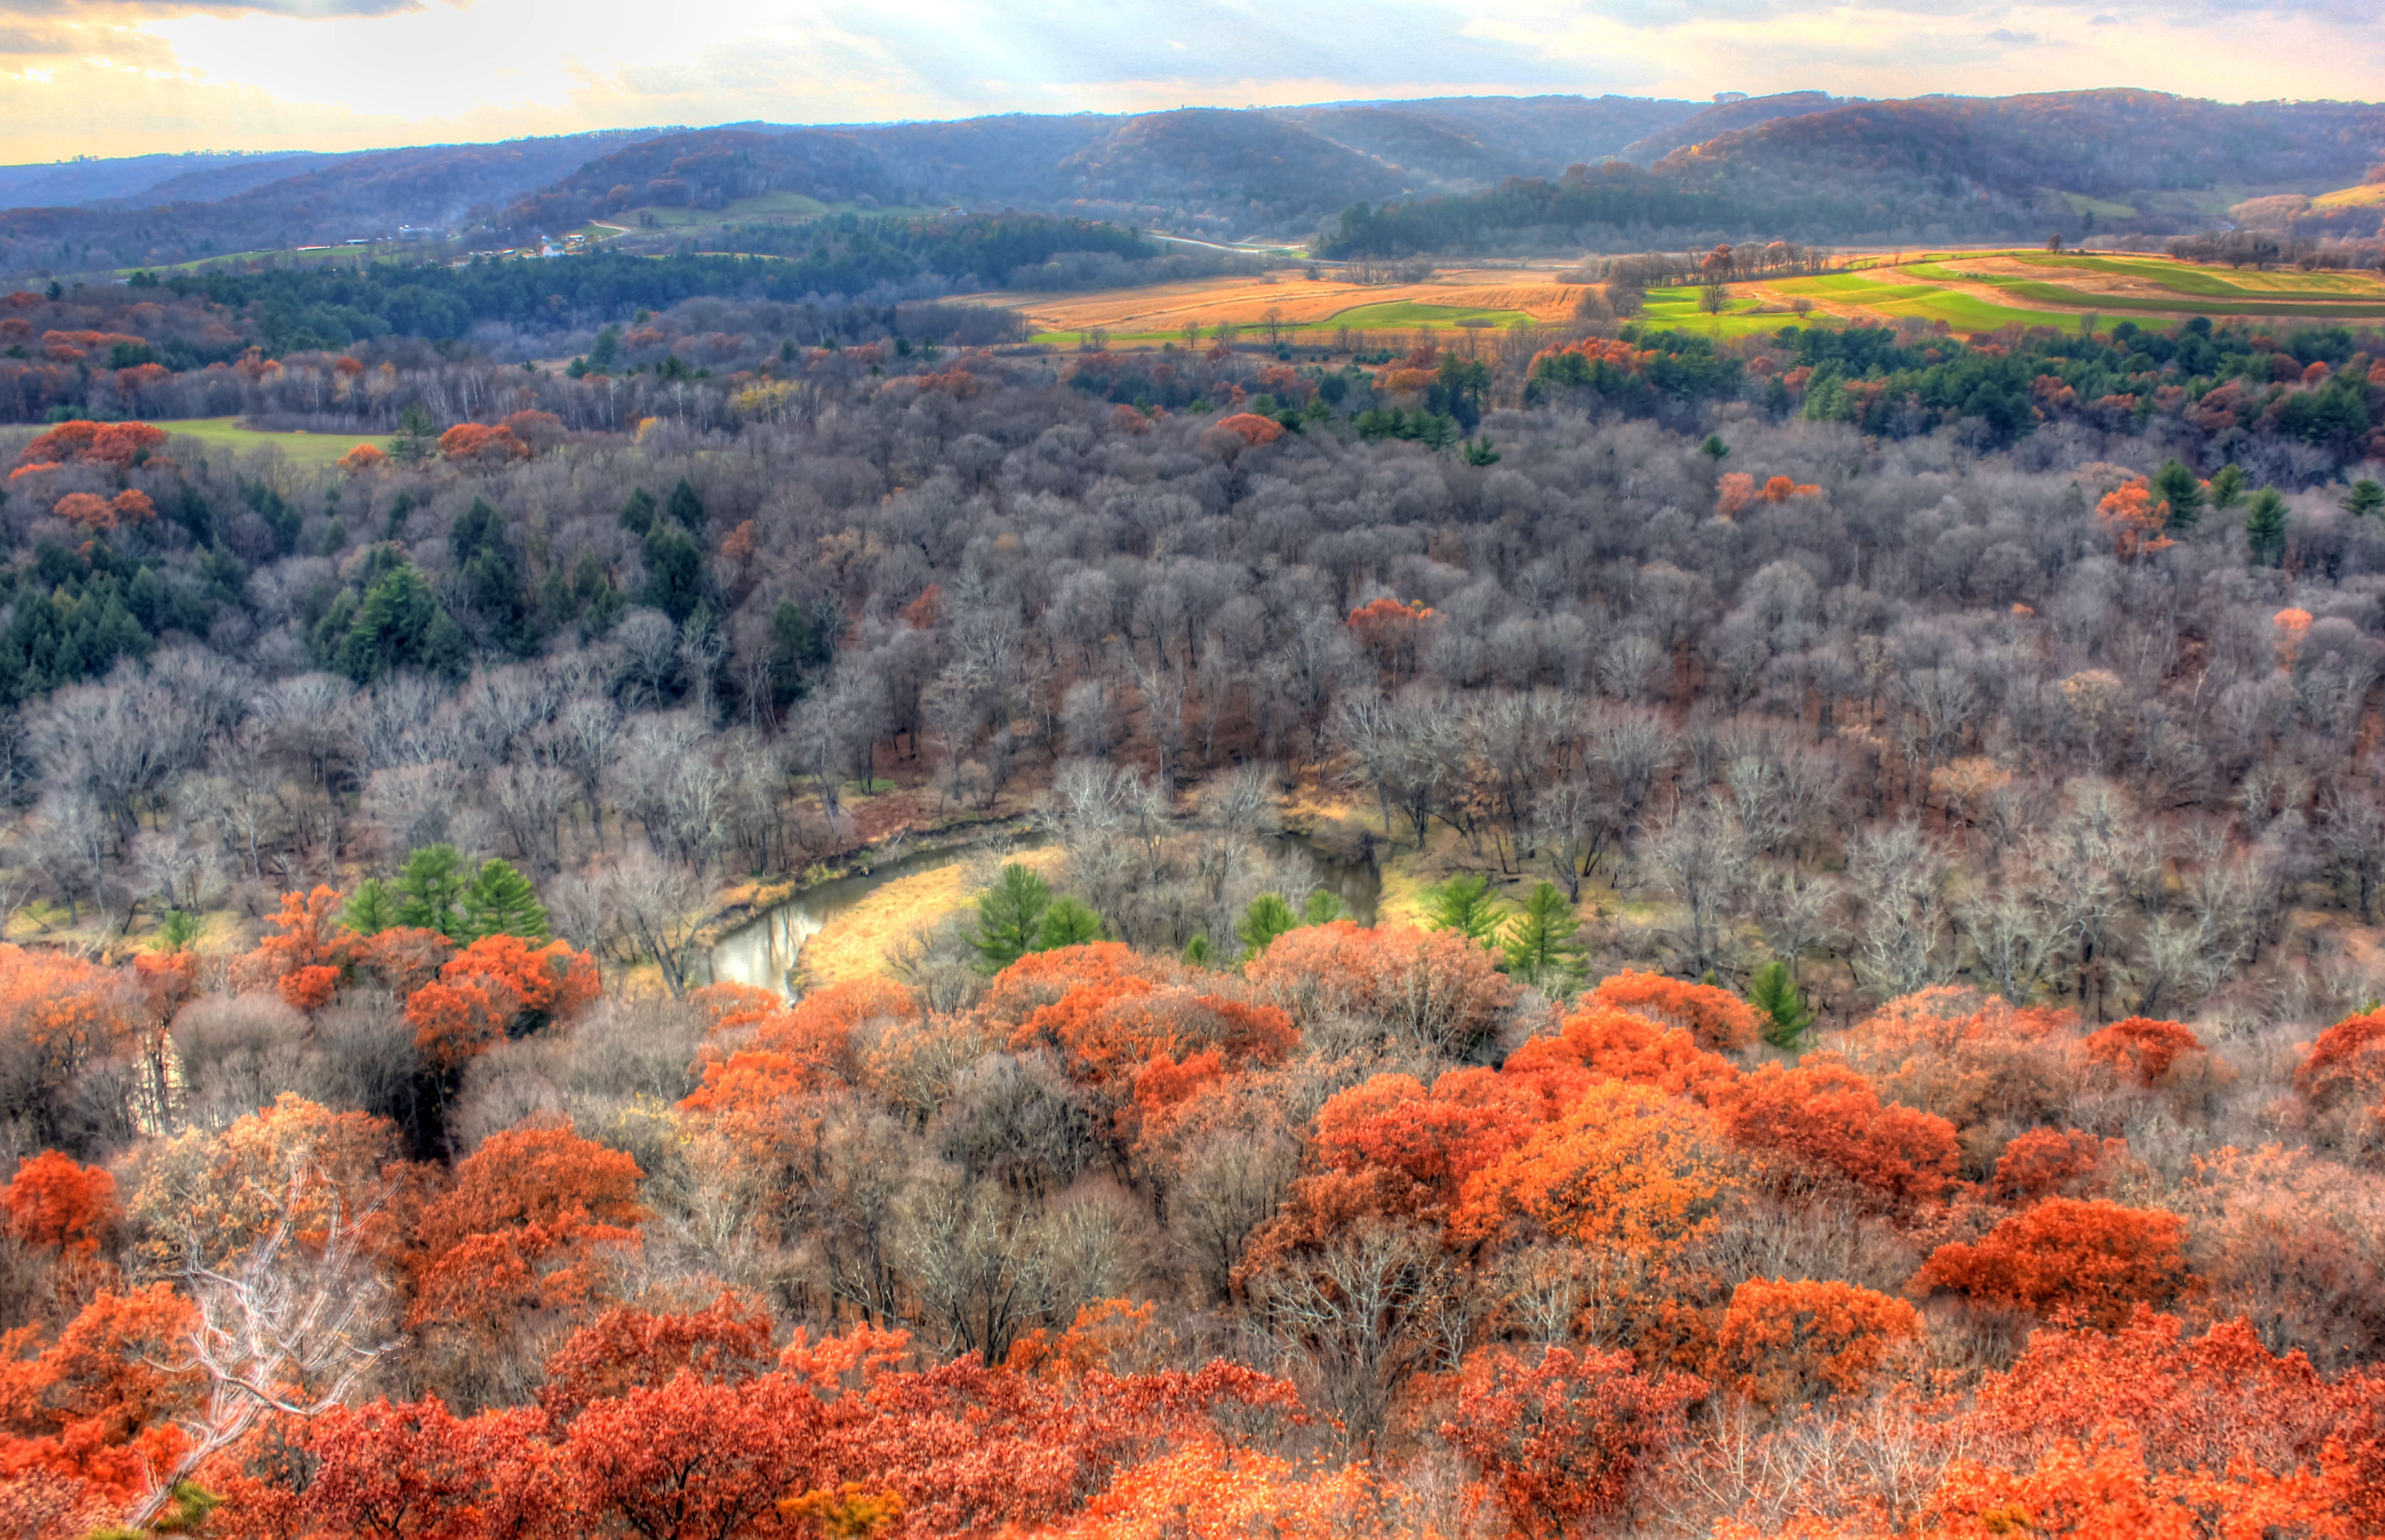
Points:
(306, 449)
(2192, 291)
(1677, 310)
(1411, 313)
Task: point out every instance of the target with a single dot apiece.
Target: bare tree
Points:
(291, 1328)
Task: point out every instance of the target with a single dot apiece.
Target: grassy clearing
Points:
(1677, 310)
(2367, 195)
(857, 943)
(2182, 290)
(306, 449)
(1960, 311)
(1408, 314)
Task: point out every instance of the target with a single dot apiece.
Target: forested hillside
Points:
(1577, 932)
(1935, 169)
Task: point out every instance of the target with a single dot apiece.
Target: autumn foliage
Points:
(2074, 1259)
(1784, 1343)
(1606, 1264)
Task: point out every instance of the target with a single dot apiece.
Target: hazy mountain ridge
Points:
(1464, 174)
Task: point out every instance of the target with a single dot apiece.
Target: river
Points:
(765, 951)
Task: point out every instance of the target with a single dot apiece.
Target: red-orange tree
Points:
(2091, 1261)
(1562, 1442)
(1784, 1343)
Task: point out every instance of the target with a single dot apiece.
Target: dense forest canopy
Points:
(1539, 931)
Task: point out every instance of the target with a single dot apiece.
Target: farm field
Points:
(1970, 291)
(1160, 313)
(306, 449)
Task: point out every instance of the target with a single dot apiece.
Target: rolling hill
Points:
(1934, 168)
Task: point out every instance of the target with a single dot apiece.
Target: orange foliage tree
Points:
(2347, 1063)
(2134, 520)
(120, 444)
(1562, 1444)
(2043, 1162)
(1624, 1045)
(1391, 634)
(54, 1202)
(2083, 1259)
(498, 986)
(1820, 1119)
(1720, 1020)
(1621, 1166)
(473, 444)
(101, 514)
(522, 1246)
(1786, 1343)
(2140, 1050)
(1435, 988)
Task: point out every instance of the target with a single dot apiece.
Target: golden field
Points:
(1299, 301)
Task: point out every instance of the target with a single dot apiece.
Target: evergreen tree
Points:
(1465, 903)
(1267, 917)
(1196, 952)
(477, 543)
(638, 514)
(1010, 917)
(1543, 945)
(2226, 487)
(686, 507)
(674, 572)
(499, 900)
(1324, 907)
(1774, 991)
(372, 909)
(2265, 527)
(400, 625)
(2177, 486)
(803, 639)
(431, 891)
(1070, 922)
(2366, 500)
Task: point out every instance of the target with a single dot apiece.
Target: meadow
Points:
(312, 450)
(1150, 315)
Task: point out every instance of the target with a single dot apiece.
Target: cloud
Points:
(134, 10)
(123, 76)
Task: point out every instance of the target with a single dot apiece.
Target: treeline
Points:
(877, 261)
(1889, 171)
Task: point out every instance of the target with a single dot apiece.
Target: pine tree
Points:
(499, 900)
(1070, 922)
(1010, 917)
(686, 507)
(2365, 498)
(1465, 903)
(1267, 917)
(2176, 485)
(2226, 487)
(372, 909)
(1774, 991)
(1323, 907)
(2265, 527)
(1542, 944)
(638, 514)
(431, 891)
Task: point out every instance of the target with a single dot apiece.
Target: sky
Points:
(130, 77)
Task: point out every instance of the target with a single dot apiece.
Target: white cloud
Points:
(121, 76)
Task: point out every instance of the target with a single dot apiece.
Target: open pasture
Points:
(305, 449)
(1159, 312)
